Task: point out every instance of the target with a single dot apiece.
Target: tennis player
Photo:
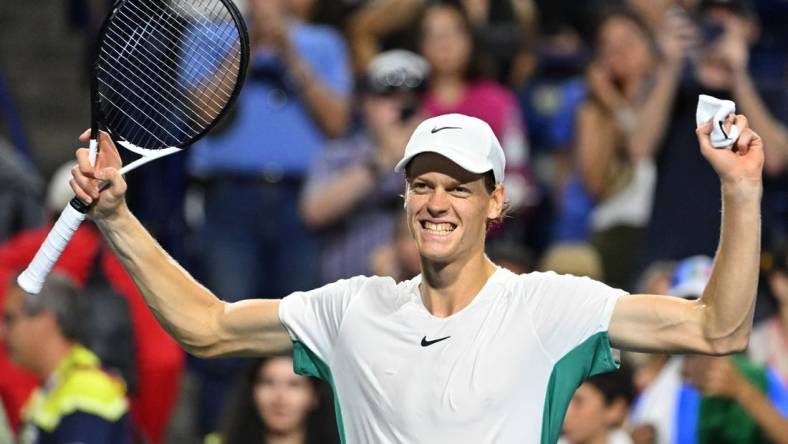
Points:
(466, 352)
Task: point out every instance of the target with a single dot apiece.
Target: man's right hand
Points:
(87, 179)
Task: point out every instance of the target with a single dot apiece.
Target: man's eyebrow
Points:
(451, 182)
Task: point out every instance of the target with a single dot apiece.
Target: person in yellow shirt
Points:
(77, 401)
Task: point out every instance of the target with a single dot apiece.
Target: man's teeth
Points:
(440, 228)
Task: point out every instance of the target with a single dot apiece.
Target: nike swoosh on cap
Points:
(436, 129)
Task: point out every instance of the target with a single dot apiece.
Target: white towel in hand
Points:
(712, 108)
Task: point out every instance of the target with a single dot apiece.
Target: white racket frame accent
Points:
(32, 279)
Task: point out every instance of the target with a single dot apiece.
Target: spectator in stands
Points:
(253, 168)
(295, 98)
(711, 57)
(352, 194)
(739, 401)
(505, 29)
(550, 99)
(614, 156)
(769, 339)
(20, 193)
(78, 401)
(457, 85)
(274, 405)
(158, 361)
(712, 399)
(598, 410)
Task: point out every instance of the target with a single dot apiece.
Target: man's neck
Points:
(447, 289)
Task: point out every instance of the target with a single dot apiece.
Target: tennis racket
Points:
(164, 73)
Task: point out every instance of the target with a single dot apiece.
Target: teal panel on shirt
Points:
(306, 363)
(590, 358)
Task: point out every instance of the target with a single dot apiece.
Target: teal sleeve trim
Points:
(307, 363)
(590, 358)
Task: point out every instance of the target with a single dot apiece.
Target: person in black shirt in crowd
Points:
(686, 207)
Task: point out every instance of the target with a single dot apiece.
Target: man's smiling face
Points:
(448, 208)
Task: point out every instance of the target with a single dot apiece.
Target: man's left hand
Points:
(743, 162)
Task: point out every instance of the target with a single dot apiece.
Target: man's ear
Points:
(496, 205)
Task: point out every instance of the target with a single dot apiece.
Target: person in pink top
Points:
(457, 85)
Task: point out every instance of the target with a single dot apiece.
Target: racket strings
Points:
(175, 38)
(193, 65)
(111, 67)
(167, 69)
(150, 59)
(137, 77)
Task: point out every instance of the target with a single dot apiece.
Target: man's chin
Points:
(437, 257)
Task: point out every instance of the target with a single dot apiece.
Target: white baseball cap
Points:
(467, 141)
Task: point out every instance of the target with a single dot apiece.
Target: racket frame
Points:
(32, 279)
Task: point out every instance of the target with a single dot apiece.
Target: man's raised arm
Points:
(203, 324)
(721, 320)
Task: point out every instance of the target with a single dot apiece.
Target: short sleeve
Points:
(568, 310)
(314, 317)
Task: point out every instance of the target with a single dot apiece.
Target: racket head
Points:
(166, 71)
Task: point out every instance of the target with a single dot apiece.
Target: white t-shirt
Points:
(501, 370)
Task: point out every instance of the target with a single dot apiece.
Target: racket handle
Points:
(32, 279)
(93, 149)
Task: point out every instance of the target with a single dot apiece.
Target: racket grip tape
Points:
(32, 279)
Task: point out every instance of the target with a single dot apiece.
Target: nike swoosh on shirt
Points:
(426, 343)
(436, 129)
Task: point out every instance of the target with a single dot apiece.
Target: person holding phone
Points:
(351, 196)
(709, 55)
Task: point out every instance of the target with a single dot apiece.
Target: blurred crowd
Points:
(594, 104)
